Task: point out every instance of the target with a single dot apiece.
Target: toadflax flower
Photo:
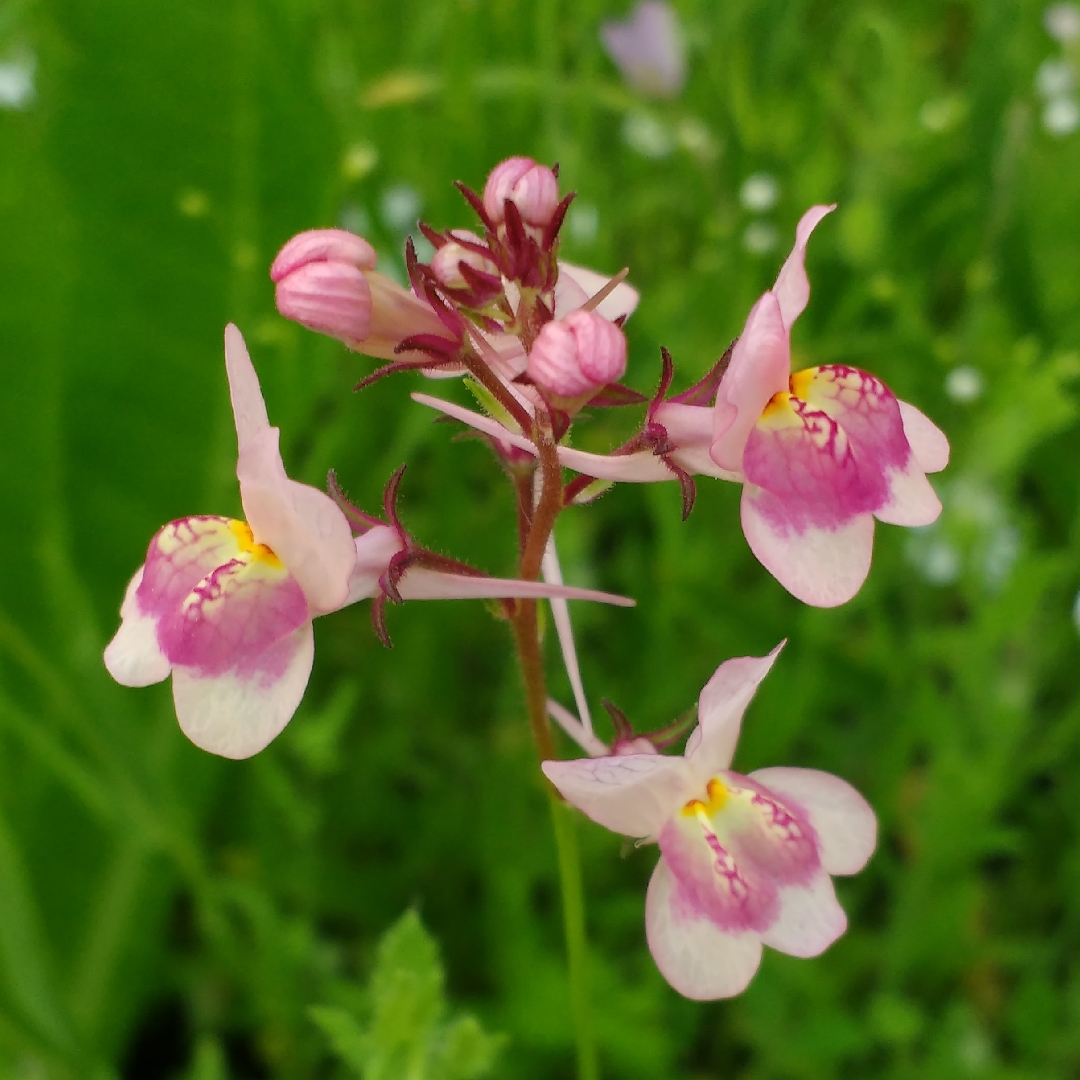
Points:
(745, 861)
(822, 452)
(225, 606)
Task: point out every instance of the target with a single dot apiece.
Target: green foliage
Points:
(166, 914)
(407, 1037)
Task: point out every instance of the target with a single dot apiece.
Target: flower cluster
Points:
(226, 606)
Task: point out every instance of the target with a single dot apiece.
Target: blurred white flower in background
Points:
(1076, 613)
(648, 48)
(1061, 116)
(647, 135)
(1062, 22)
(964, 384)
(17, 80)
(1054, 78)
(1055, 81)
(583, 222)
(760, 237)
(759, 192)
(400, 207)
(356, 219)
(933, 556)
(976, 529)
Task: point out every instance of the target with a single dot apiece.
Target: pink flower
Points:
(226, 606)
(326, 280)
(648, 48)
(745, 861)
(822, 452)
(577, 355)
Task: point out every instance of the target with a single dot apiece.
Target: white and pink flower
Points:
(745, 861)
(226, 606)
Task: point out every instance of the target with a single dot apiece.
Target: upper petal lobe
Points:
(633, 794)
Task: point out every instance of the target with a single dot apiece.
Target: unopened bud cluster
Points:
(489, 297)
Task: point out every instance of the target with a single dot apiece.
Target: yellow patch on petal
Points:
(245, 538)
(779, 412)
(801, 382)
(712, 804)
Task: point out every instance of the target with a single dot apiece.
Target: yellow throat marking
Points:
(713, 803)
(245, 539)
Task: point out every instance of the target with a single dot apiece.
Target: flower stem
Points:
(535, 531)
(573, 900)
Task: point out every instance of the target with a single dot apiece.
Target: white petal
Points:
(641, 468)
(584, 737)
(133, 657)
(841, 817)
(823, 567)
(236, 715)
(721, 705)
(564, 628)
(927, 440)
(622, 300)
(420, 583)
(476, 420)
(249, 409)
(693, 954)
(810, 919)
(633, 794)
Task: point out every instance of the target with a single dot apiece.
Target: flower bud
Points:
(326, 281)
(323, 245)
(444, 262)
(578, 354)
(329, 297)
(532, 188)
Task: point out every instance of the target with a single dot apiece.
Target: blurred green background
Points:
(167, 914)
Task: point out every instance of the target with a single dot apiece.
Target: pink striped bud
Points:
(532, 188)
(326, 281)
(444, 263)
(577, 355)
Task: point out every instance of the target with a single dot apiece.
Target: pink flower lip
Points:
(532, 188)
